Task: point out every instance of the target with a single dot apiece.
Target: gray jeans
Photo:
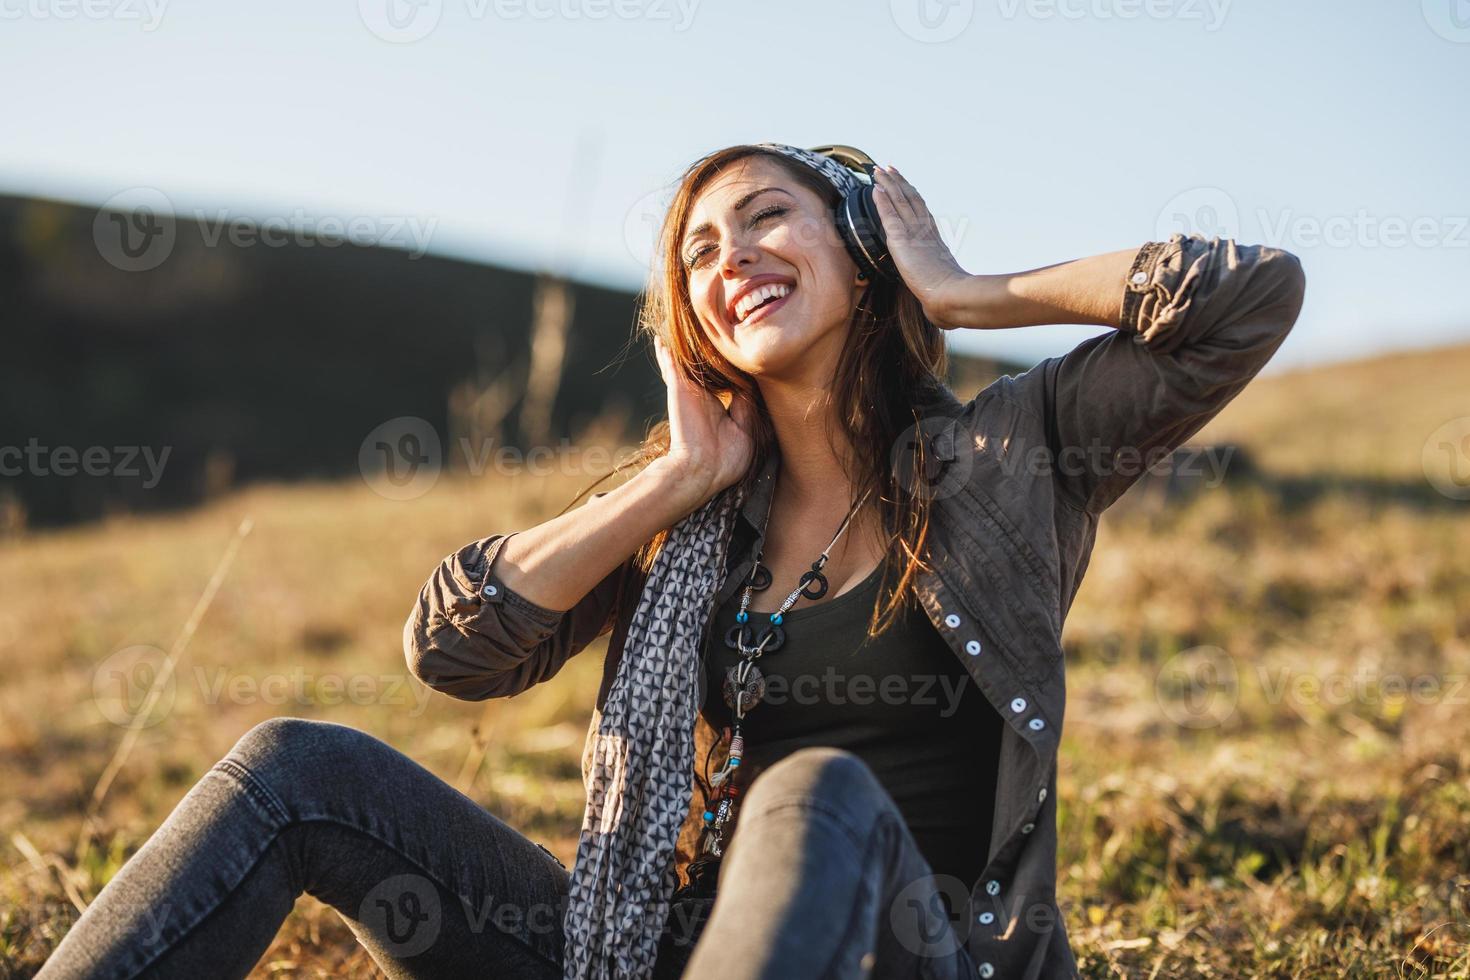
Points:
(822, 878)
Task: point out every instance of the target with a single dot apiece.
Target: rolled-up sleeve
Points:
(472, 637)
(1199, 319)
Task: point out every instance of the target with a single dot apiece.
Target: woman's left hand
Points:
(926, 264)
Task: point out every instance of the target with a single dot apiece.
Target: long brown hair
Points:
(892, 354)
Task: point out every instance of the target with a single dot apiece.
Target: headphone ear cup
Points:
(866, 228)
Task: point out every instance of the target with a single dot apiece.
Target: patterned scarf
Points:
(642, 757)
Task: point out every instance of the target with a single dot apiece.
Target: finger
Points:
(887, 213)
(902, 194)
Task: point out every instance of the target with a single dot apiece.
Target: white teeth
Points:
(757, 296)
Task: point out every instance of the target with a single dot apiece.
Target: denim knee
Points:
(292, 755)
(821, 773)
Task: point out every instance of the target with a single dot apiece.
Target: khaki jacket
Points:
(1026, 467)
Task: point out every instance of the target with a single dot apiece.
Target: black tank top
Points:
(902, 702)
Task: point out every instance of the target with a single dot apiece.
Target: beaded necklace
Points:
(744, 685)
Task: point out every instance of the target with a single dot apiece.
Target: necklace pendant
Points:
(813, 583)
(750, 693)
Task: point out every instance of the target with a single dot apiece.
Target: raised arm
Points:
(1195, 320)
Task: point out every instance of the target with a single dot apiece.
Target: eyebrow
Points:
(704, 227)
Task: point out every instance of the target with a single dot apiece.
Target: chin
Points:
(765, 349)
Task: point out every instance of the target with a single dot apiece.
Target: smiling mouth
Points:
(762, 301)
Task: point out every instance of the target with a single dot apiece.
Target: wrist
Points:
(965, 301)
(683, 483)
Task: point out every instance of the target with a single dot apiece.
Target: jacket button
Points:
(1041, 797)
(491, 590)
(992, 887)
(973, 648)
(1028, 828)
(986, 918)
(952, 621)
(1139, 278)
(1018, 705)
(986, 970)
(1036, 724)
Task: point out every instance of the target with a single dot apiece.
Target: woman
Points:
(818, 507)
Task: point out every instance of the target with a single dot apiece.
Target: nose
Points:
(738, 256)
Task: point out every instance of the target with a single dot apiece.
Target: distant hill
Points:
(250, 361)
(1366, 418)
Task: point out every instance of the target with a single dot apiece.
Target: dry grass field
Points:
(1266, 769)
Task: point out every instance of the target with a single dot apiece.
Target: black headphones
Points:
(850, 171)
(857, 215)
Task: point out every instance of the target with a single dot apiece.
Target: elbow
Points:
(434, 660)
(1287, 286)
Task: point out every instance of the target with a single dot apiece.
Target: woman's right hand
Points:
(709, 447)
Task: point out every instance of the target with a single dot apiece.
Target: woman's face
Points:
(756, 235)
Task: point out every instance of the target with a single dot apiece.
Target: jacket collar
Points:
(759, 499)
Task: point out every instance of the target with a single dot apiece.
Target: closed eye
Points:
(695, 259)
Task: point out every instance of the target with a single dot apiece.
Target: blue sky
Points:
(543, 132)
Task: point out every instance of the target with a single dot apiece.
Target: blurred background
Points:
(296, 300)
